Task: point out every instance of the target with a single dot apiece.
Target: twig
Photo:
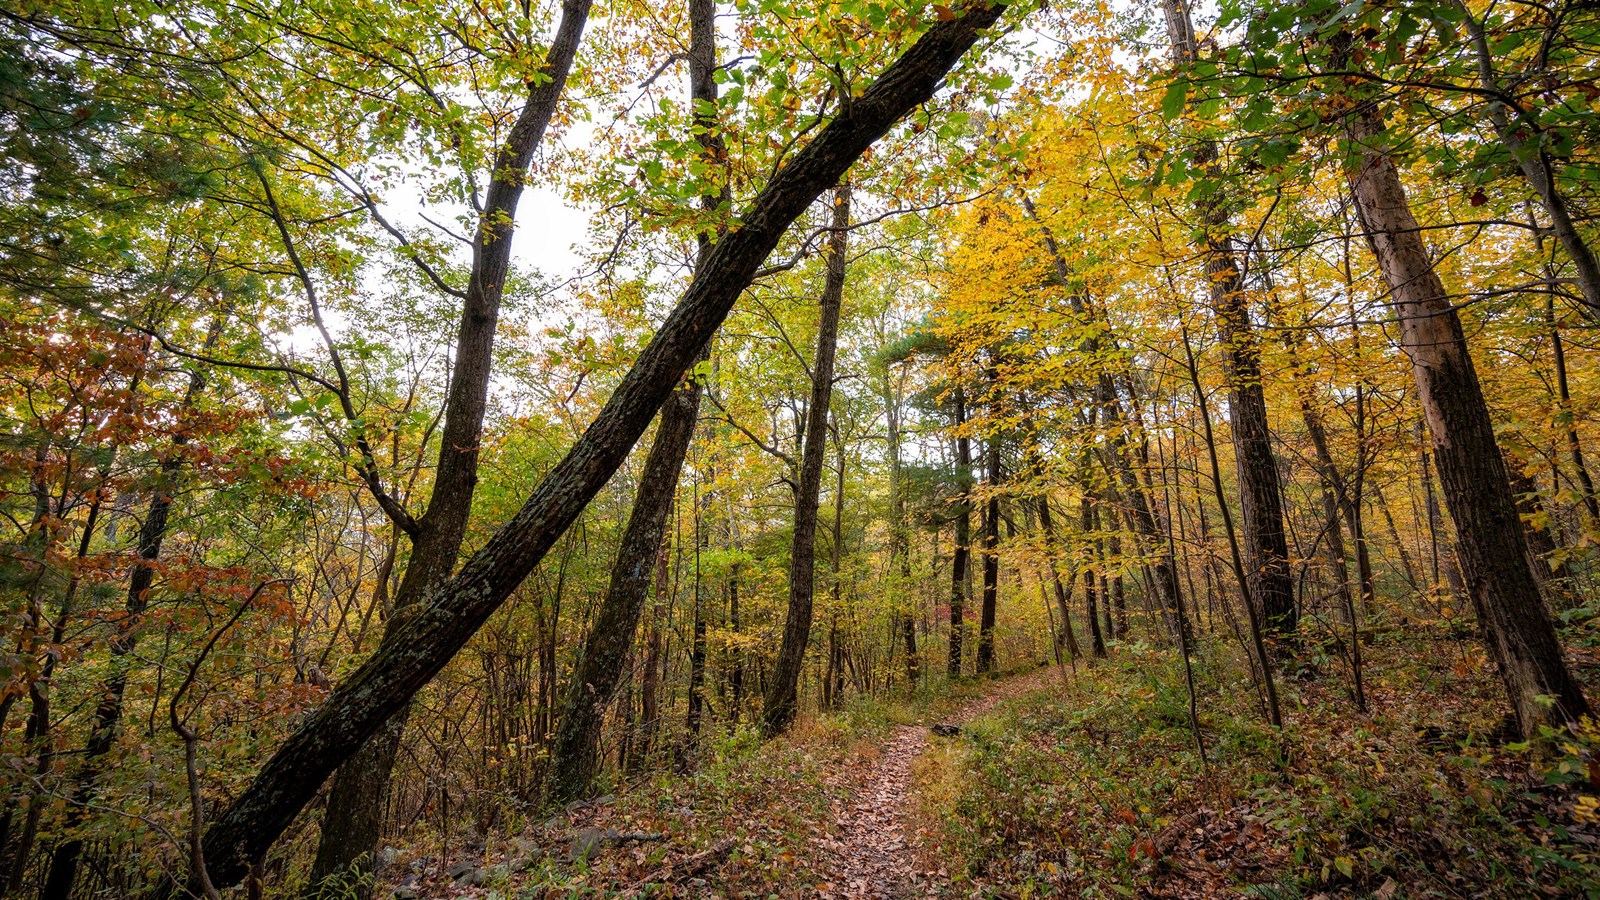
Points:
(197, 857)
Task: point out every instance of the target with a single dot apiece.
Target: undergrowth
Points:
(1094, 787)
(773, 801)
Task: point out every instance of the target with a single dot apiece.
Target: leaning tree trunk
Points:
(1491, 547)
(353, 821)
(1527, 142)
(783, 693)
(427, 640)
(574, 755)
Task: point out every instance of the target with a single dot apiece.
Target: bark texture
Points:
(1260, 490)
(573, 755)
(1491, 546)
(423, 643)
(354, 817)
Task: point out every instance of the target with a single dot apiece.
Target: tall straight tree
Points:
(1260, 491)
(991, 558)
(962, 552)
(899, 528)
(1490, 542)
(573, 757)
(425, 641)
(1089, 523)
(782, 699)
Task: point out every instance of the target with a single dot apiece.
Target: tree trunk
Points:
(1063, 591)
(900, 536)
(991, 561)
(695, 714)
(1591, 502)
(1097, 641)
(782, 699)
(836, 564)
(1338, 510)
(1491, 546)
(573, 758)
(736, 677)
(963, 537)
(1260, 492)
(427, 640)
(1526, 140)
(38, 730)
(650, 681)
(354, 817)
(1257, 637)
(1119, 599)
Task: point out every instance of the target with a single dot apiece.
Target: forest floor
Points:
(871, 855)
(1088, 783)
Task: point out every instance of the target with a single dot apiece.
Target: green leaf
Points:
(1172, 102)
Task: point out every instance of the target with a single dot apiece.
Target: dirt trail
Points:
(870, 858)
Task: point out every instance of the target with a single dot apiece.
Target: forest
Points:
(765, 448)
